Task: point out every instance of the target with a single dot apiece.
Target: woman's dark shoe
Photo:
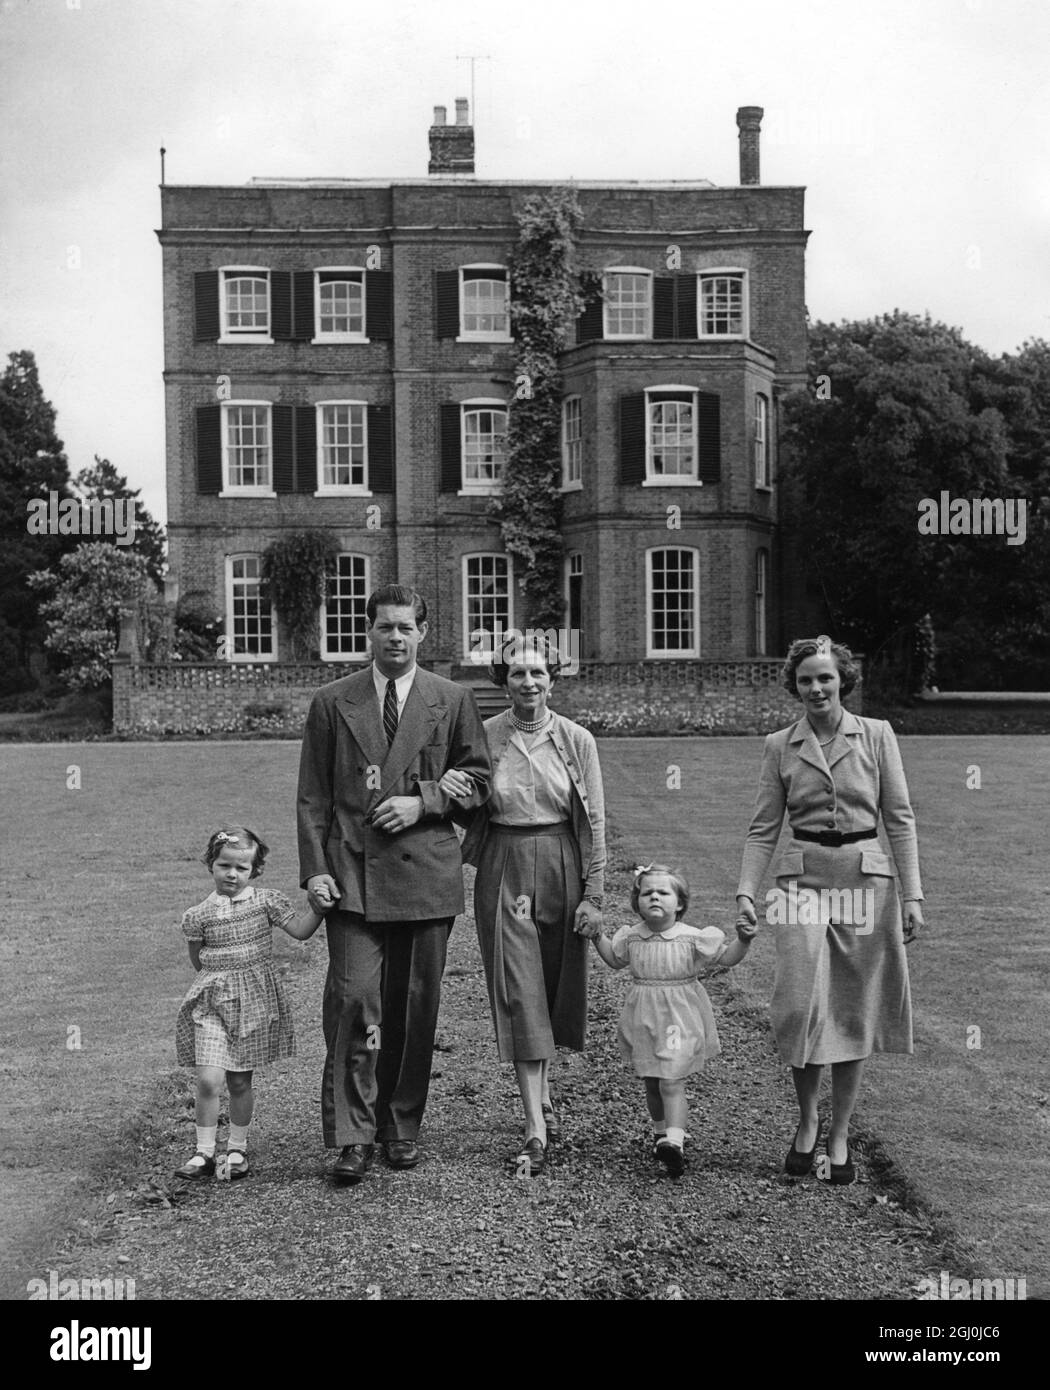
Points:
(672, 1157)
(198, 1167)
(550, 1119)
(842, 1174)
(797, 1164)
(532, 1160)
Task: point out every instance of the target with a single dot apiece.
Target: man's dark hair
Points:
(396, 596)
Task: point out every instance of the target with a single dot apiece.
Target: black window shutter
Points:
(708, 437)
(305, 448)
(283, 427)
(209, 449)
(206, 306)
(589, 325)
(632, 437)
(303, 299)
(379, 305)
(380, 447)
(685, 306)
(280, 305)
(446, 303)
(451, 469)
(663, 307)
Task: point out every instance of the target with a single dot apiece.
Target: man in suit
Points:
(379, 855)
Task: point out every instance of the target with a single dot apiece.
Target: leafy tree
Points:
(102, 481)
(86, 595)
(32, 465)
(295, 573)
(901, 408)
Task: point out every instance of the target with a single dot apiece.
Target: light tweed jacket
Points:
(843, 787)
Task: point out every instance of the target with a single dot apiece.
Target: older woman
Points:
(841, 990)
(539, 847)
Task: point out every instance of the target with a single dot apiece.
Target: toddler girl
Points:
(236, 1014)
(667, 1028)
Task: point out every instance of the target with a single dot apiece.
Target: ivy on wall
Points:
(295, 576)
(545, 301)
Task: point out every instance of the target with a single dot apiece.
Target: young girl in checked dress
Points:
(236, 1015)
(667, 1028)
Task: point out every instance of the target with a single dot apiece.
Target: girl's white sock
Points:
(676, 1136)
(238, 1138)
(206, 1140)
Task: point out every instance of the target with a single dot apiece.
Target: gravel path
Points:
(603, 1223)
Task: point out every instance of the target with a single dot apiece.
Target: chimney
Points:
(452, 146)
(749, 122)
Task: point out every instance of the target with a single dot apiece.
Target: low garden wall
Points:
(645, 697)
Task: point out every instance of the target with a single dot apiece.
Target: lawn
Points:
(93, 964)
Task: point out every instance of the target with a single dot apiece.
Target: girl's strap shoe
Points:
(198, 1167)
(237, 1165)
(671, 1156)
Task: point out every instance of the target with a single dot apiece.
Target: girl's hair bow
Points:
(223, 839)
(641, 869)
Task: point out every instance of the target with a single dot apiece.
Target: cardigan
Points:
(843, 787)
(579, 753)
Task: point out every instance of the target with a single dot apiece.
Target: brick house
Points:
(338, 357)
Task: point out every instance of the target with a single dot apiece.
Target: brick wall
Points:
(732, 697)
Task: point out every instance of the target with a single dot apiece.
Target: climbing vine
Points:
(544, 304)
(295, 576)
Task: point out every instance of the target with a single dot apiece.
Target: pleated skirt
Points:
(841, 990)
(527, 890)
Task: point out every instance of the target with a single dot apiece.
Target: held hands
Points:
(397, 813)
(913, 922)
(588, 921)
(456, 783)
(747, 920)
(745, 930)
(322, 891)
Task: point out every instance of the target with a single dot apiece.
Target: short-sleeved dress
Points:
(667, 1027)
(236, 1014)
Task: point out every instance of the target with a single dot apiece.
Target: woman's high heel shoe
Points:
(797, 1164)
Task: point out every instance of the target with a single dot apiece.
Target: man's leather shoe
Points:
(402, 1153)
(353, 1162)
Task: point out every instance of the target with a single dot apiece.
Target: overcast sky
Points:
(920, 128)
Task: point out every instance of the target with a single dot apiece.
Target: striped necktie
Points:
(390, 711)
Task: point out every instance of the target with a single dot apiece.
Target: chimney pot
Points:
(749, 123)
(452, 146)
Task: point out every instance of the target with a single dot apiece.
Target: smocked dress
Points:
(667, 1027)
(236, 1014)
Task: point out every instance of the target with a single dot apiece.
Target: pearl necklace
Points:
(526, 726)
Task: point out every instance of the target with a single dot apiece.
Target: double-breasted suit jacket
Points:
(346, 770)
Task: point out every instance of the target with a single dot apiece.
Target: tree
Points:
(899, 409)
(102, 481)
(32, 465)
(91, 586)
